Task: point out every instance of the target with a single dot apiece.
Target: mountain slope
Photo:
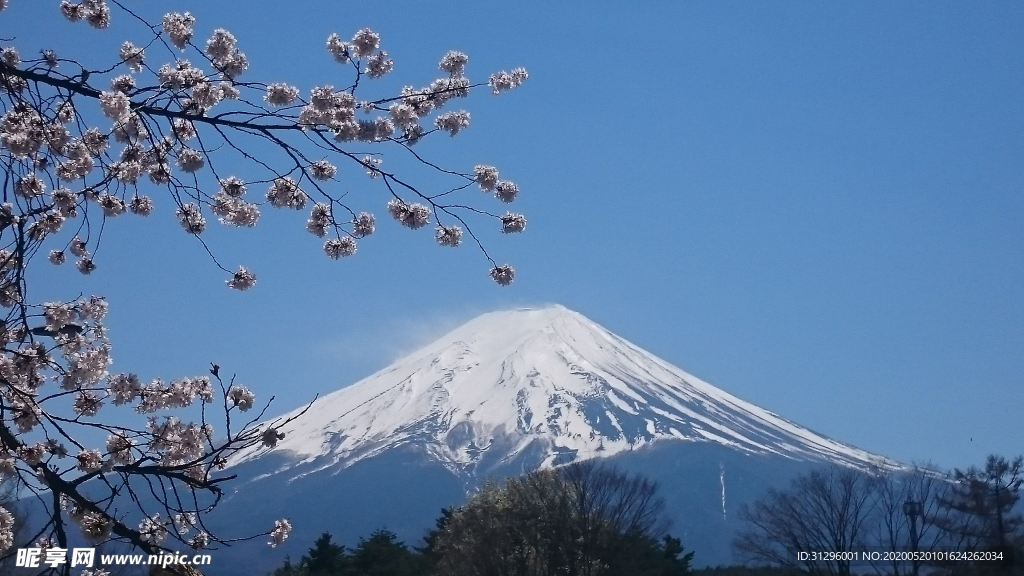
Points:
(533, 388)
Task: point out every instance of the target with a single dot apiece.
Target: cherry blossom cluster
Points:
(167, 128)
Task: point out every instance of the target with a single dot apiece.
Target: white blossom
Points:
(503, 81)
(32, 454)
(503, 275)
(379, 64)
(339, 247)
(412, 134)
(30, 186)
(177, 442)
(112, 205)
(448, 235)
(229, 91)
(339, 49)
(87, 403)
(95, 142)
(72, 12)
(191, 219)
(7, 529)
(179, 28)
(141, 205)
(10, 57)
(119, 449)
(322, 170)
(124, 388)
(153, 529)
(242, 397)
(85, 265)
(115, 105)
(233, 66)
(280, 532)
(7, 467)
(281, 94)
(97, 13)
(505, 191)
(199, 541)
(234, 211)
(183, 129)
(384, 127)
(57, 257)
(454, 63)
(123, 83)
(270, 437)
(9, 294)
(363, 224)
(190, 160)
(185, 522)
(319, 220)
(403, 114)
(125, 130)
(511, 223)
(89, 460)
(77, 247)
(206, 94)
(285, 193)
(365, 42)
(221, 44)
(233, 186)
(133, 56)
(452, 122)
(57, 315)
(96, 527)
(127, 172)
(412, 215)
(372, 166)
(94, 309)
(242, 280)
(180, 75)
(486, 177)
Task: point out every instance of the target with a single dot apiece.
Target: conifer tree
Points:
(325, 558)
(980, 506)
(382, 554)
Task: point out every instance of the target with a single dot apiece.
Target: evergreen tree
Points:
(979, 512)
(287, 569)
(982, 502)
(325, 558)
(383, 555)
(675, 560)
(429, 551)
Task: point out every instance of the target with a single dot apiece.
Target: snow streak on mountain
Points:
(545, 385)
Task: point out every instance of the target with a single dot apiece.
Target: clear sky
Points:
(815, 206)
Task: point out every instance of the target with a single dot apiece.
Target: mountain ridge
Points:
(543, 385)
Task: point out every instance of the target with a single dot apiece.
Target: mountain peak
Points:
(541, 384)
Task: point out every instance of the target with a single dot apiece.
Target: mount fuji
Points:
(508, 393)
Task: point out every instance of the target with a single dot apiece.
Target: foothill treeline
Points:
(591, 519)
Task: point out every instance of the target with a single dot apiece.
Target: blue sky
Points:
(815, 206)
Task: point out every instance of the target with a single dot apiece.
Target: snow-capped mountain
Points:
(508, 393)
(542, 387)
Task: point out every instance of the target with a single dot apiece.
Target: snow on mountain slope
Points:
(548, 382)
